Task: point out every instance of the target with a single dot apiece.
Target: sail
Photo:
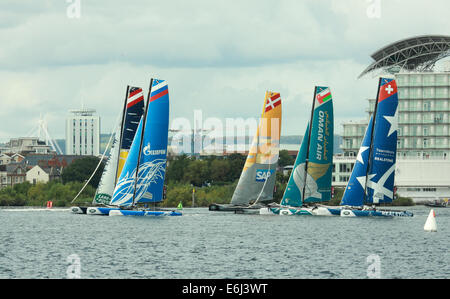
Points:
(106, 186)
(152, 165)
(257, 180)
(372, 178)
(124, 189)
(147, 158)
(380, 184)
(133, 110)
(354, 192)
(315, 182)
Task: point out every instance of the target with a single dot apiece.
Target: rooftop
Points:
(418, 53)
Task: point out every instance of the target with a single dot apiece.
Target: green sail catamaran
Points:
(310, 180)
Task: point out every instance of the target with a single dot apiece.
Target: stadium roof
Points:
(418, 53)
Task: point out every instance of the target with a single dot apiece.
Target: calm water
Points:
(203, 244)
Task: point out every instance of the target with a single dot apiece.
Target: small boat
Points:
(257, 181)
(437, 203)
(122, 138)
(310, 180)
(141, 181)
(372, 180)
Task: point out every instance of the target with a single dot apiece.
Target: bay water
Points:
(39, 243)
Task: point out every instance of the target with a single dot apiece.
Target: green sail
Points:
(314, 183)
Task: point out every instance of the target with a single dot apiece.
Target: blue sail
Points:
(146, 156)
(124, 190)
(315, 183)
(380, 183)
(354, 192)
(372, 178)
(152, 166)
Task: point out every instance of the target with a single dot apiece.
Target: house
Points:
(5, 159)
(15, 173)
(3, 176)
(37, 174)
(17, 158)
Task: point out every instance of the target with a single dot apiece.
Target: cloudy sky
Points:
(217, 56)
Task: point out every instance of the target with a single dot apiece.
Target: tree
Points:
(197, 173)
(219, 170)
(285, 159)
(81, 169)
(176, 167)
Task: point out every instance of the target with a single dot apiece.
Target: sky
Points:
(217, 56)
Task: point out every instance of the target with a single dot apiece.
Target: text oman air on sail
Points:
(323, 133)
(263, 174)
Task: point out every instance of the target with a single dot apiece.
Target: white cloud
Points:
(218, 56)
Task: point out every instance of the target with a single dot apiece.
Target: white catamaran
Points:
(123, 136)
(256, 183)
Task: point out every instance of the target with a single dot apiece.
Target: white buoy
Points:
(430, 224)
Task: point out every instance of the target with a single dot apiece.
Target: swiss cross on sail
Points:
(388, 88)
(272, 102)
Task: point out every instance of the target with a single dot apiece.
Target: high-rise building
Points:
(423, 117)
(83, 132)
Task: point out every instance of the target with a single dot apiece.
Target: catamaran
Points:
(122, 139)
(141, 181)
(256, 183)
(372, 180)
(310, 179)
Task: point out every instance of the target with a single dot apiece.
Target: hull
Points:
(436, 205)
(345, 212)
(100, 211)
(119, 212)
(249, 210)
(309, 211)
(224, 207)
(78, 210)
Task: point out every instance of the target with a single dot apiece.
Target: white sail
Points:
(108, 181)
(430, 224)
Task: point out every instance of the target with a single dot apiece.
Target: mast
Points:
(308, 143)
(144, 118)
(121, 130)
(369, 159)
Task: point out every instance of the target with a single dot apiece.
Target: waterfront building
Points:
(83, 132)
(423, 151)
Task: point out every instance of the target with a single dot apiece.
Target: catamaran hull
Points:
(224, 207)
(143, 213)
(310, 211)
(100, 211)
(374, 213)
(78, 210)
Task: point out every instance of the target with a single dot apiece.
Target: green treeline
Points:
(213, 179)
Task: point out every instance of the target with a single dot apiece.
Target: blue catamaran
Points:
(372, 180)
(310, 180)
(141, 181)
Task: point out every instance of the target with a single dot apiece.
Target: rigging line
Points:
(144, 120)
(308, 144)
(369, 164)
(100, 162)
(257, 149)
